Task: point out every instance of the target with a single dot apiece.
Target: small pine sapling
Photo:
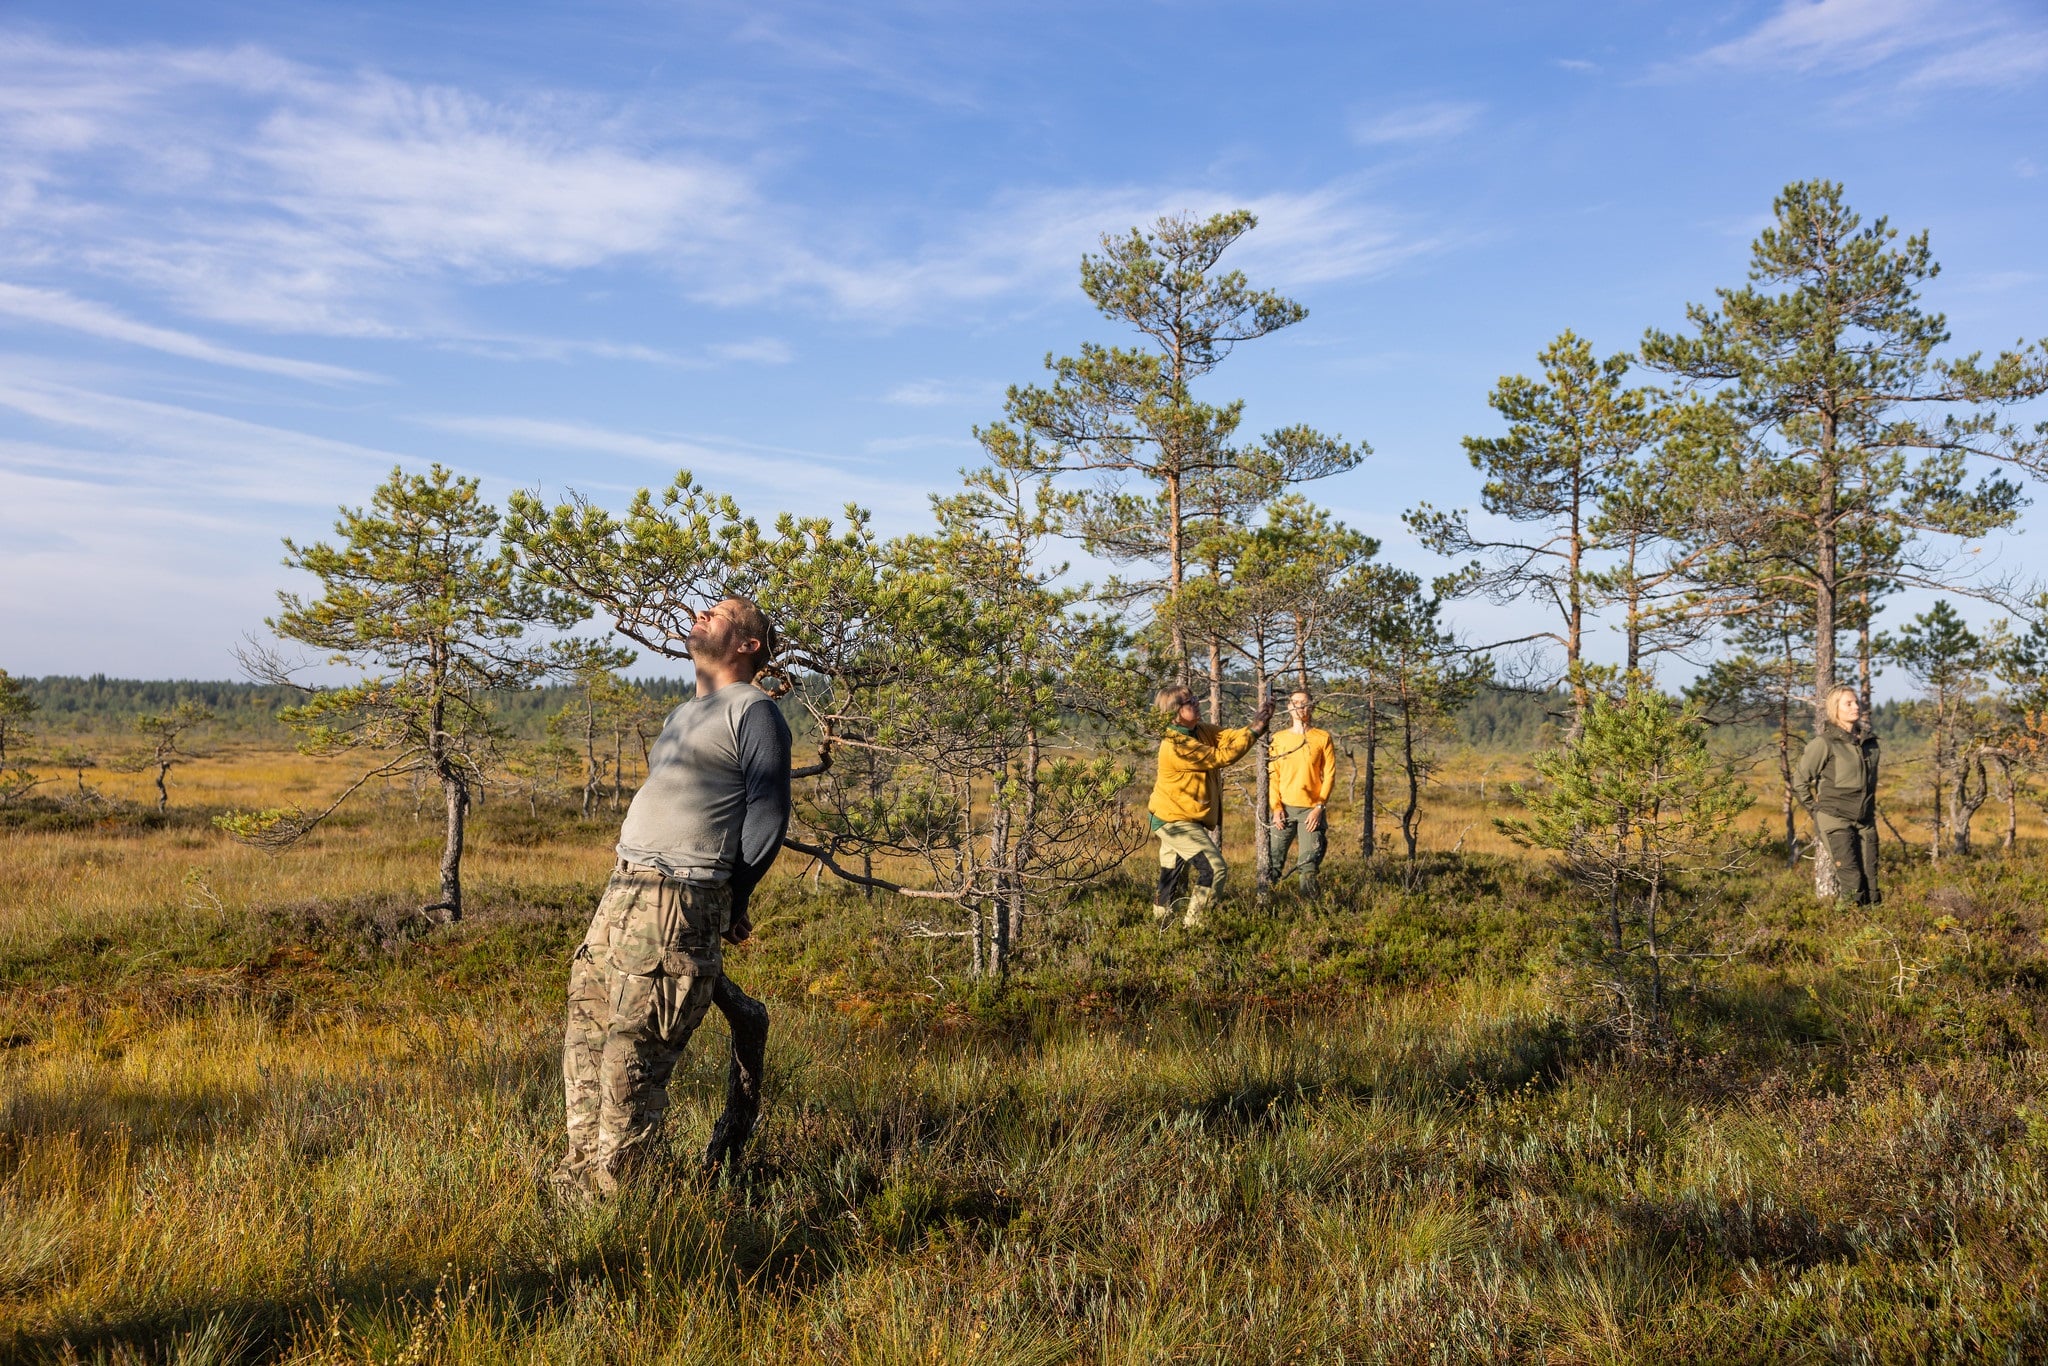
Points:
(1639, 810)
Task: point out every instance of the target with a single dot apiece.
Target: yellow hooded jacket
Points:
(1187, 788)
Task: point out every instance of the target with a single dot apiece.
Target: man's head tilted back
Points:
(734, 631)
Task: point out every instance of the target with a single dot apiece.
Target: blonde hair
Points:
(1834, 697)
(1167, 699)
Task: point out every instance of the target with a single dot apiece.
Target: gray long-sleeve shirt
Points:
(716, 801)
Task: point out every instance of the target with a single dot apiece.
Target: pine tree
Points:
(1850, 468)
(1572, 439)
(16, 707)
(1636, 805)
(1851, 459)
(1133, 410)
(164, 733)
(1950, 662)
(416, 591)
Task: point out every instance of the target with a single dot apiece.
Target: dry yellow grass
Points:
(238, 1125)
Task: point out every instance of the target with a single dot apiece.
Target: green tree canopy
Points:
(417, 592)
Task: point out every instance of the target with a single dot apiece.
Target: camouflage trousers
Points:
(1188, 847)
(638, 988)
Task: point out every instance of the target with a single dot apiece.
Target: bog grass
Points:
(251, 1108)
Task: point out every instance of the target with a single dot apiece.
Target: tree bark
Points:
(1174, 573)
(1965, 800)
(1408, 831)
(1262, 792)
(1024, 838)
(1785, 777)
(1368, 805)
(1826, 577)
(2012, 808)
(456, 793)
(998, 910)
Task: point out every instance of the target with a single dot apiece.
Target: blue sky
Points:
(252, 255)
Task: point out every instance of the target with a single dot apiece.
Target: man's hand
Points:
(1263, 716)
(739, 931)
(1315, 818)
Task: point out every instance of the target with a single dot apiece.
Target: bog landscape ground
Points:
(252, 1108)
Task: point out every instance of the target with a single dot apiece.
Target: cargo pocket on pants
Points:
(695, 917)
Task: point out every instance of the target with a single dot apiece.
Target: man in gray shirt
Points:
(700, 834)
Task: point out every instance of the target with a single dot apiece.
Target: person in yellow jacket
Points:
(1187, 801)
(1303, 774)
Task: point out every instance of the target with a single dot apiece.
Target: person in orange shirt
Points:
(1303, 774)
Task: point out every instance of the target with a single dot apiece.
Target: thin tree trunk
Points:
(1966, 800)
(590, 768)
(1863, 647)
(1024, 840)
(1785, 777)
(1941, 757)
(999, 861)
(1826, 581)
(1368, 806)
(1575, 612)
(1174, 574)
(1408, 830)
(1215, 681)
(1656, 958)
(456, 793)
(2012, 809)
(1262, 791)
(163, 793)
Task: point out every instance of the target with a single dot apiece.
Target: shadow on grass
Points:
(722, 1246)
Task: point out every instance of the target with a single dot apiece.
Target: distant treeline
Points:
(1497, 719)
(83, 706)
(1515, 721)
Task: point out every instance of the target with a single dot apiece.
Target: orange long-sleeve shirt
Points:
(1304, 767)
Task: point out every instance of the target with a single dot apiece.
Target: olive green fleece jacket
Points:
(1837, 775)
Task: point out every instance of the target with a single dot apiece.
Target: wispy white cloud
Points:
(507, 346)
(798, 481)
(260, 191)
(1931, 43)
(940, 393)
(754, 351)
(1028, 244)
(249, 189)
(187, 453)
(903, 445)
(55, 308)
(120, 577)
(1431, 121)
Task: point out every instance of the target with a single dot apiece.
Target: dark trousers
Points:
(1853, 847)
(1290, 824)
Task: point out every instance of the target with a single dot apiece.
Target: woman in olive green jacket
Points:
(1837, 780)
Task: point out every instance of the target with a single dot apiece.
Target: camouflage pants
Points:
(638, 988)
(1188, 847)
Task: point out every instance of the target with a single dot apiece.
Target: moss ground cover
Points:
(251, 1110)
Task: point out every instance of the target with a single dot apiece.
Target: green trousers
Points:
(1853, 847)
(1308, 861)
